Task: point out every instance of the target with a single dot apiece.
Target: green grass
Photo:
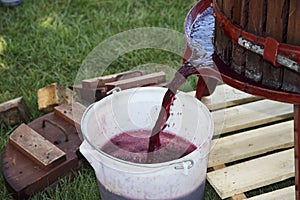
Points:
(44, 41)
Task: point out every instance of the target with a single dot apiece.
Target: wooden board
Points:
(250, 114)
(251, 143)
(100, 81)
(291, 79)
(72, 113)
(149, 79)
(36, 147)
(94, 89)
(252, 174)
(287, 193)
(294, 24)
(253, 69)
(275, 28)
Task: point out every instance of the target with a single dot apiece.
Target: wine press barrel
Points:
(260, 40)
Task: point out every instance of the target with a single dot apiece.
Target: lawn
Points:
(42, 42)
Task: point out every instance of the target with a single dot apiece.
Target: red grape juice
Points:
(181, 75)
(132, 146)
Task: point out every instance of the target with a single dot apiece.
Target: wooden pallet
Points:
(259, 153)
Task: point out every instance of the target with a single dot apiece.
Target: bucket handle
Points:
(186, 164)
(114, 90)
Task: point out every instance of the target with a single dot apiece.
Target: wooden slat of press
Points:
(240, 14)
(251, 143)
(222, 43)
(256, 14)
(252, 174)
(226, 96)
(287, 193)
(220, 3)
(227, 9)
(293, 36)
(275, 27)
(291, 79)
(249, 115)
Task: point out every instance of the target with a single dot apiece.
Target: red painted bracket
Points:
(271, 51)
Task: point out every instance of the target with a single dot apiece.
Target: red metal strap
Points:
(272, 47)
(271, 51)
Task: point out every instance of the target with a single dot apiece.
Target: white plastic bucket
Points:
(136, 109)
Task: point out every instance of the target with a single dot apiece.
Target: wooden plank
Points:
(100, 81)
(251, 143)
(72, 113)
(14, 111)
(226, 96)
(238, 59)
(293, 36)
(220, 3)
(149, 79)
(228, 8)
(277, 11)
(36, 147)
(287, 193)
(275, 28)
(222, 43)
(249, 115)
(240, 12)
(253, 69)
(89, 95)
(291, 79)
(252, 174)
(238, 197)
